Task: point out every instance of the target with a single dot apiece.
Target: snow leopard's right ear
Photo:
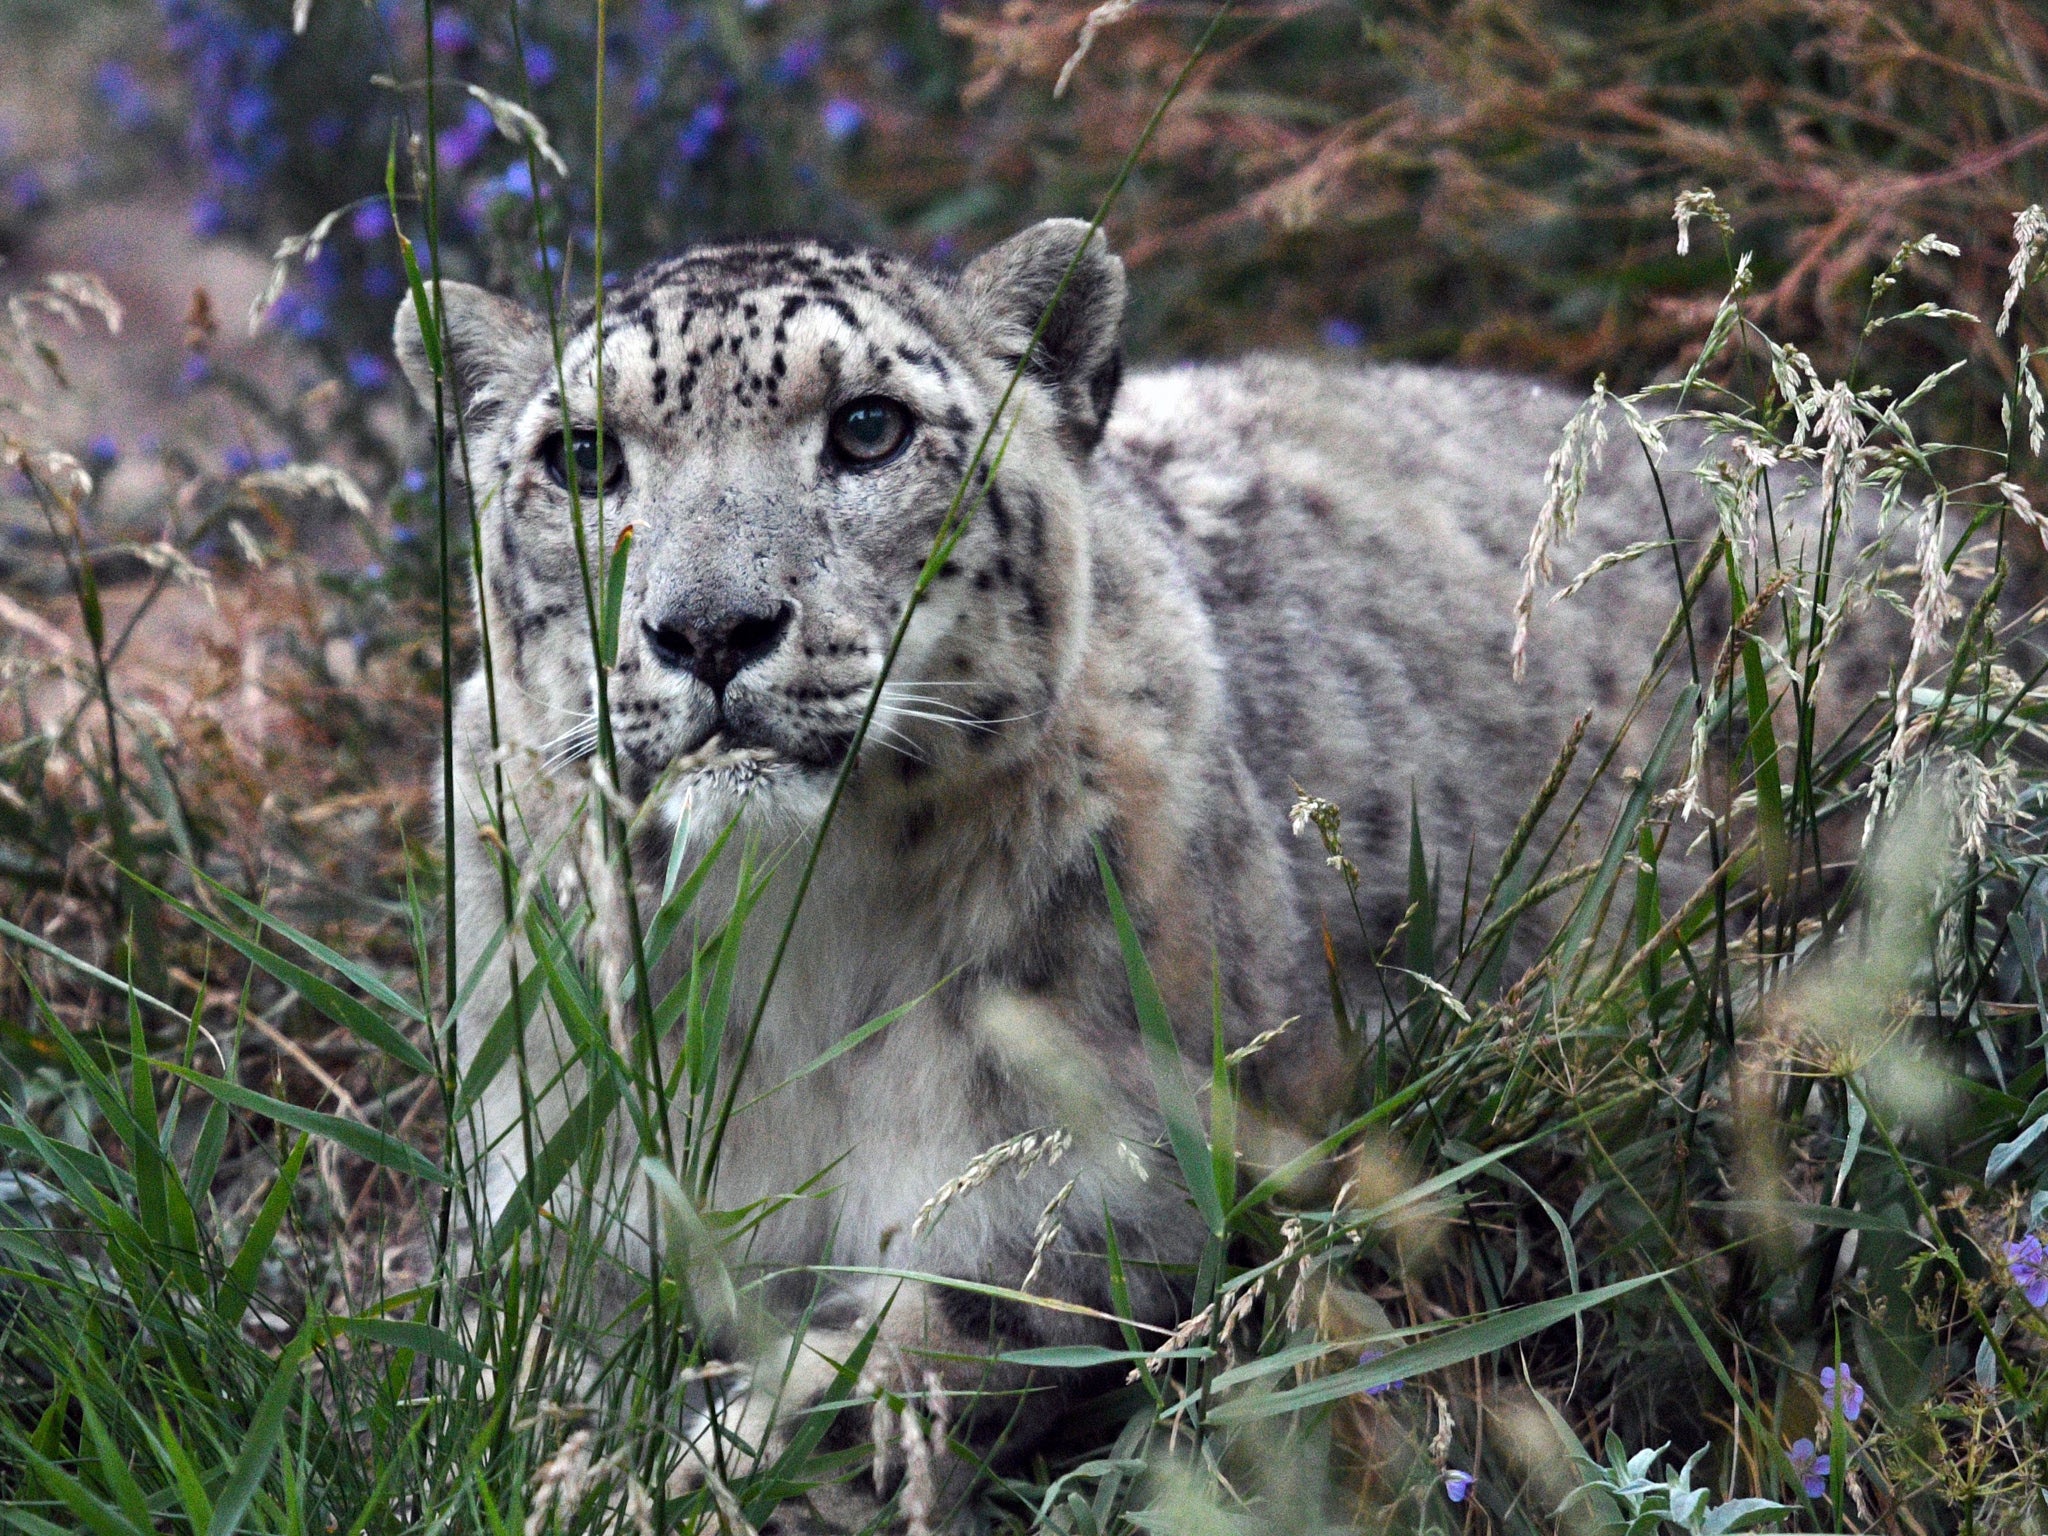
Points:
(1080, 353)
(493, 349)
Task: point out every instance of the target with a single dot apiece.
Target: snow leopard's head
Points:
(786, 427)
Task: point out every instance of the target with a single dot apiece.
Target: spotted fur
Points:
(1181, 594)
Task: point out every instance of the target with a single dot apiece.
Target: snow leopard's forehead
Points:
(697, 340)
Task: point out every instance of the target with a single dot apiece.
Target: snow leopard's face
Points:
(785, 427)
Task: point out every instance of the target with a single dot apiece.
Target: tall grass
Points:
(1634, 1197)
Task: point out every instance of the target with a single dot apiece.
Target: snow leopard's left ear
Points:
(1080, 354)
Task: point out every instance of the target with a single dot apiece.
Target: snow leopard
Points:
(1170, 601)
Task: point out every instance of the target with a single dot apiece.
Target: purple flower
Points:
(367, 371)
(843, 117)
(2027, 1263)
(1342, 333)
(1811, 1467)
(1838, 1386)
(119, 88)
(696, 135)
(459, 145)
(381, 282)
(194, 372)
(103, 449)
(238, 460)
(415, 483)
(540, 63)
(249, 111)
(796, 62)
(27, 192)
(404, 533)
(1366, 1357)
(209, 217)
(453, 33)
(1457, 1485)
(370, 221)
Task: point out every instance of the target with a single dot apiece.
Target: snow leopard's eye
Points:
(869, 431)
(580, 452)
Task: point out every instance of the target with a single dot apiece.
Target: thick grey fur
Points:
(1189, 591)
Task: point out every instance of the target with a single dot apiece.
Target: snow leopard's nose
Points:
(716, 650)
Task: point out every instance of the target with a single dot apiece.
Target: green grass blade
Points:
(240, 1282)
(92, 1512)
(367, 1142)
(1162, 1052)
(356, 974)
(334, 1004)
(1483, 1337)
(259, 1441)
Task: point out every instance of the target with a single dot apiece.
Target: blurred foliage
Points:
(1481, 180)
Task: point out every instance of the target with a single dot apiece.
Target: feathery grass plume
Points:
(1564, 483)
(2030, 243)
(1020, 1154)
(1698, 204)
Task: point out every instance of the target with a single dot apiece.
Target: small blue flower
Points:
(370, 221)
(374, 571)
(368, 371)
(1342, 333)
(276, 458)
(238, 460)
(1837, 1384)
(540, 63)
(453, 33)
(194, 372)
(797, 62)
(1811, 1466)
(1457, 1485)
(404, 533)
(415, 482)
(122, 91)
(249, 111)
(102, 450)
(696, 135)
(1366, 1357)
(27, 192)
(843, 117)
(209, 217)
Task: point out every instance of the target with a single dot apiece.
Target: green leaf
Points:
(360, 975)
(379, 1147)
(1078, 1357)
(1162, 1052)
(614, 594)
(240, 1282)
(86, 1506)
(1485, 1336)
(85, 968)
(399, 1333)
(352, 1014)
(577, 1133)
(259, 1441)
